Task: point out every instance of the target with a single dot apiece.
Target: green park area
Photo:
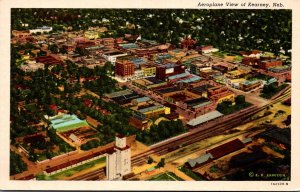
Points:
(191, 174)
(160, 132)
(223, 54)
(272, 89)
(169, 176)
(219, 54)
(72, 171)
(227, 107)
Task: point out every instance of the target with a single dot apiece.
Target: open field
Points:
(169, 176)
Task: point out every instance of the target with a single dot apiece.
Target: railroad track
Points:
(94, 175)
(188, 139)
(163, 149)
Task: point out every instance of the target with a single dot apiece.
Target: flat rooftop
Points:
(151, 108)
(168, 90)
(142, 99)
(168, 65)
(197, 102)
(114, 53)
(250, 82)
(143, 82)
(181, 75)
(66, 122)
(177, 50)
(201, 88)
(119, 93)
(126, 97)
(152, 42)
(280, 67)
(163, 56)
(190, 79)
(154, 80)
(129, 46)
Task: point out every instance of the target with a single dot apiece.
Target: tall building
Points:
(124, 69)
(188, 43)
(118, 160)
(165, 70)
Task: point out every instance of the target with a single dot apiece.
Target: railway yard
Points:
(177, 150)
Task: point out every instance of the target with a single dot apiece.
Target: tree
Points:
(80, 51)
(240, 99)
(224, 107)
(32, 156)
(233, 24)
(17, 165)
(161, 163)
(49, 154)
(90, 144)
(53, 48)
(150, 160)
(63, 50)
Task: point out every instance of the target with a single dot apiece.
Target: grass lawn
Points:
(222, 54)
(169, 176)
(270, 90)
(219, 54)
(72, 171)
(214, 169)
(191, 174)
(238, 58)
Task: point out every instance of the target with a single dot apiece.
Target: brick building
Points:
(20, 34)
(250, 85)
(250, 60)
(124, 68)
(139, 122)
(265, 64)
(166, 70)
(188, 43)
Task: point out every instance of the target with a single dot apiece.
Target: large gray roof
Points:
(203, 118)
(199, 160)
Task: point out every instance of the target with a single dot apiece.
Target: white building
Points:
(118, 160)
(211, 50)
(32, 66)
(138, 74)
(41, 30)
(75, 139)
(113, 55)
